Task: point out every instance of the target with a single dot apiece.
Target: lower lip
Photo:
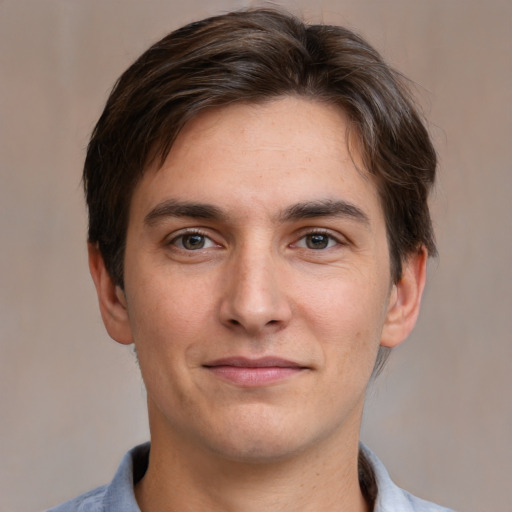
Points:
(253, 377)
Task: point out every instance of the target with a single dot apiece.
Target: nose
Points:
(254, 299)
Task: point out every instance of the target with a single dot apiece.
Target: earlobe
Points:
(405, 300)
(111, 298)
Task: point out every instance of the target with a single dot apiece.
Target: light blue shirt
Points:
(118, 496)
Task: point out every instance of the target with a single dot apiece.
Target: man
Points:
(259, 229)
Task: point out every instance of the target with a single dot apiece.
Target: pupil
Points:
(193, 242)
(317, 241)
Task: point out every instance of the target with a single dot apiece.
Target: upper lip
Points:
(262, 362)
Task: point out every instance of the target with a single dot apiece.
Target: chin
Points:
(262, 450)
(254, 442)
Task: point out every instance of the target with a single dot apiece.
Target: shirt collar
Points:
(120, 495)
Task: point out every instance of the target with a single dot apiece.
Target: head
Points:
(253, 57)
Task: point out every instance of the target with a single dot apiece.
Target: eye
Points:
(193, 242)
(317, 241)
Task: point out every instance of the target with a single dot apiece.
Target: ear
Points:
(111, 299)
(405, 300)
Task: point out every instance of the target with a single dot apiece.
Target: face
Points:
(257, 282)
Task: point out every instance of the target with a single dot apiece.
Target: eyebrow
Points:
(298, 211)
(324, 208)
(173, 208)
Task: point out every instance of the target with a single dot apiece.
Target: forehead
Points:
(282, 151)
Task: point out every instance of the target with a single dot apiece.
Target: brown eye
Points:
(317, 241)
(193, 242)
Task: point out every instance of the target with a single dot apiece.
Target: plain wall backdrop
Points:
(72, 401)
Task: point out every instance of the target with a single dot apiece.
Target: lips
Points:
(247, 372)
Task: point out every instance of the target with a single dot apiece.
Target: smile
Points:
(254, 372)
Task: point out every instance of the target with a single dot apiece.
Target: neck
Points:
(185, 478)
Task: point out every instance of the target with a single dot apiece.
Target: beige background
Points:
(72, 401)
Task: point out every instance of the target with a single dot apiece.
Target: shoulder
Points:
(118, 496)
(419, 505)
(390, 497)
(88, 502)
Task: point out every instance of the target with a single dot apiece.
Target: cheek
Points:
(169, 323)
(347, 317)
(168, 311)
(350, 304)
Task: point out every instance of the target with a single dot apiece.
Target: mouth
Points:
(248, 372)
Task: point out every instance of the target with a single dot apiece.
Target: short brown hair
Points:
(253, 56)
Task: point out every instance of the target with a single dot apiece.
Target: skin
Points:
(247, 276)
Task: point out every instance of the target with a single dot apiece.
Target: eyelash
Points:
(321, 232)
(303, 237)
(189, 233)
